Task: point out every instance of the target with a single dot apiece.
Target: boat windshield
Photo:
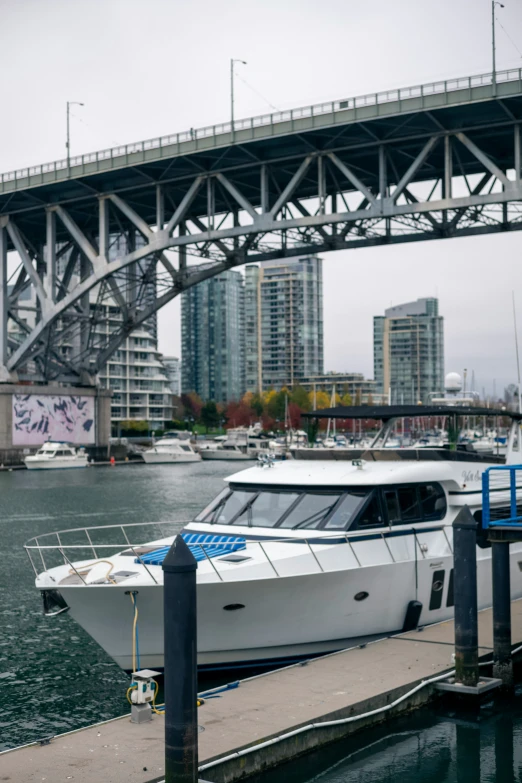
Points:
(290, 509)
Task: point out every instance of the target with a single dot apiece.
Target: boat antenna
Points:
(516, 349)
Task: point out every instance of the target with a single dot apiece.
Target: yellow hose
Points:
(131, 688)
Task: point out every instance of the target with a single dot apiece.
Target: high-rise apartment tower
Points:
(408, 352)
(212, 338)
(283, 323)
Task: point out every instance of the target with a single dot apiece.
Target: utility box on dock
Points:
(142, 696)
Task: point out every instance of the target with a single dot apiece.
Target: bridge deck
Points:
(114, 166)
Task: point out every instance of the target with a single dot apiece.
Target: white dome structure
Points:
(453, 382)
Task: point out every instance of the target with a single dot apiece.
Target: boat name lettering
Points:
(471, 475)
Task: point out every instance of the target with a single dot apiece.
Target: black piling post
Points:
(180, 646)
(465, 590)
(502, 661)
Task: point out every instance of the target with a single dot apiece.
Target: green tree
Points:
(257, 404)
(346, 399)
(299, 397)
(209, 415)
(277, 405)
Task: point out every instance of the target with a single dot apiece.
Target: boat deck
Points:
(336, 686)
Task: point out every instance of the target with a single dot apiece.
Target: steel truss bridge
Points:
(428, 162)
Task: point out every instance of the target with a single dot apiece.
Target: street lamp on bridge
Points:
(232, 62)
(501, 5)
(68, 142)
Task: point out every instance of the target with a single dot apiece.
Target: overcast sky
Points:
(145, 68)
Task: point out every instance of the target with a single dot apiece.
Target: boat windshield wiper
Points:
(314, 517)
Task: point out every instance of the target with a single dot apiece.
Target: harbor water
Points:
(441, 745)
(53, 676)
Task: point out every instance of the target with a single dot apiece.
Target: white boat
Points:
(239, 444)
(171, 450)
(226, 451)
(55, 455)
(294, 558)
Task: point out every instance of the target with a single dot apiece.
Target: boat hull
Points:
(282, 617)
(218, 454)
(55, 464)
(163, 458)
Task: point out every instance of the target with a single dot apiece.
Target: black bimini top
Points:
(387, 412)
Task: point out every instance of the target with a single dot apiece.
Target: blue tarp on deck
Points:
(214, 546)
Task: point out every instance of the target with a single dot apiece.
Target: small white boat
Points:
(238, 444)
(226, 451)
(171, 450)
(54, 455)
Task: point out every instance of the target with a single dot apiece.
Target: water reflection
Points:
(427, 747)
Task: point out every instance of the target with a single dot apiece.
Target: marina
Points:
(299, 557)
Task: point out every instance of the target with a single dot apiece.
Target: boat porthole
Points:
(233, 607)
(437, 586)
(361, 596)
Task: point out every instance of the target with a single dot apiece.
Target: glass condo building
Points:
(283, 323)
(408, 352)
(212, 338)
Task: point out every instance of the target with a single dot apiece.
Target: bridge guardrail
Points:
(503, 481)
(274, 118)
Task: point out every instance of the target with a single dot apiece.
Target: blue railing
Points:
(502, 481)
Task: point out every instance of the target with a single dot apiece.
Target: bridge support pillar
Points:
(31, 415)
(502, 660)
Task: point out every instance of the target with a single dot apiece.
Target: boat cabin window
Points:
(266, 509)
(328, 509)
(344, 513)
(202, 516)
(229, 507)
(184, 447)
(414, 503)
(311, 510)
(371, 515)
(433, 501)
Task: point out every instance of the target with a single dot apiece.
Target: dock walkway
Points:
(349, 683)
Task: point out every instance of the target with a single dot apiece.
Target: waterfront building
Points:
(283, 323)
(212, 338)
(408, 352)
(137, 378)
(363, 391)
(172, 367)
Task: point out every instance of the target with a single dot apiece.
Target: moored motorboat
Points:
(169, 450)
(55, 455)
(294, 558)
(226, 451)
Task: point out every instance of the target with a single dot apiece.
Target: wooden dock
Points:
(338, 686)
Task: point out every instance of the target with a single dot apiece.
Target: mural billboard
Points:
(38, 418)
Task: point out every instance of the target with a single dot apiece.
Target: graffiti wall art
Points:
(38, 418)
